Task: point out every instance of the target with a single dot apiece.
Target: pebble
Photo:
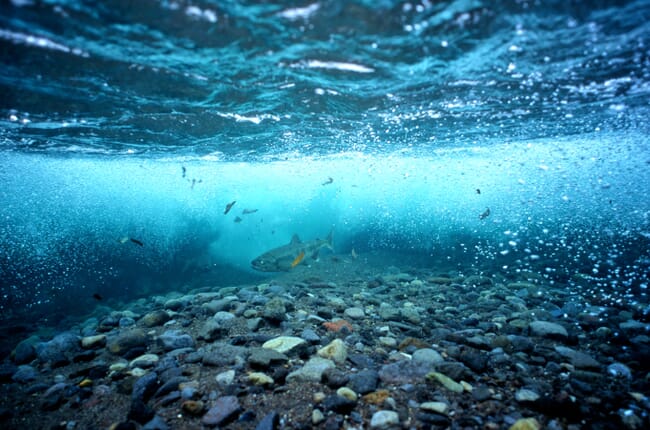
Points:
(335, 350)
(275, 311)
(126, 341)
(155, 318)
(225, 378)
(260, 378)
(193, 407)
(265, 357)
(363, 382)
(312, 371)
(285, 344)
(525, 395)
(384, 419)
(93, 342)
(354, 313)
(144, 361)
(526, 424)
(445, 381)
(175, 339)
(437, 407)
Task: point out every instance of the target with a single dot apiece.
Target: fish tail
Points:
(329, 239)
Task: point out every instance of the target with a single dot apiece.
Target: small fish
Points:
(248, 211)
(237, 219)
(97, 296)
(195, 181)
(136, 241)
(485, 214)
(184, 171)
(298, 259)
(229, 206)
(123, 239)
(353, 254)
(478, 191)
(329, 181)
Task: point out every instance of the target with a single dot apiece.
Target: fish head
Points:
(264, 264)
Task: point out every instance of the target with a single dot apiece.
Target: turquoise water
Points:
(397, 124)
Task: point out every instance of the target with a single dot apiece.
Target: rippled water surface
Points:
(397, 123)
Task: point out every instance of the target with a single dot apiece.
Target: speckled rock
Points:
(275, 311)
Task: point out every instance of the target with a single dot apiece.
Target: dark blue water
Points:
(397, 123)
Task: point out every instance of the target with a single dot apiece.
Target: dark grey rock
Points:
(364, 382)
(224, 410)
(53, 397)
(475, 360)
(24, 374)
(25, 351)
(265, 357)
(310, 336)
(339, 404)
(156, 423)
(334, 378)
(170, 385)
(140, 412)
(269, 422)
(521, 343)
(223, 354)
(144, 387)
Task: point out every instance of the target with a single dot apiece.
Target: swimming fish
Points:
(354, 254)
(298, 259)
(329, 181)
(249, 211)
(127, 239)
(237, 219)
(229, 206)
(97, 296)
(282, 259)
(478, 191)
(485, 214)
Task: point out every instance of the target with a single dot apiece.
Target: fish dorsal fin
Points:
(294, 239)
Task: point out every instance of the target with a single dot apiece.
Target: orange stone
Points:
(337, 325)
